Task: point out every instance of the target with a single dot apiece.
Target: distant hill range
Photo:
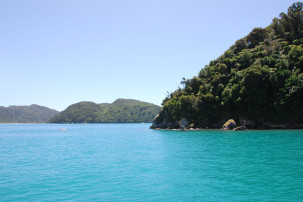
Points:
(26, 114)
(120, 111)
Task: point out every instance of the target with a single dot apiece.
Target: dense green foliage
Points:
(120, 111)
(26, 114)
(259, 78)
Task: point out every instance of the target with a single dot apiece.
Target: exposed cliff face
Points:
(163, 121)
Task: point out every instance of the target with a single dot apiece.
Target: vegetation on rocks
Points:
(258, 81)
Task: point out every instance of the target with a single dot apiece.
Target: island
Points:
(257, 82)
(120, 111)
(26, 114)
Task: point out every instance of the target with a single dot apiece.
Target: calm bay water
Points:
(129, 162)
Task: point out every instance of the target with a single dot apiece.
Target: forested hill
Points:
(26, 114)
(120, 111)
(258, 82)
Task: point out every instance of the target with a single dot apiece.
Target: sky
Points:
(56, 53)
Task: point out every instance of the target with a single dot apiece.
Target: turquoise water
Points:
(129, 162)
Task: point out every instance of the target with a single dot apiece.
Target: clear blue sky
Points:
(58, 52)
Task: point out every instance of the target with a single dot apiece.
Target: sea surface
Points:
(130, 162)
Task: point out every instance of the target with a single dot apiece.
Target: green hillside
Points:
(258, 82)
(26, 114)
(120, 111)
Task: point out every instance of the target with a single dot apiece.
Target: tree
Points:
(256, 36)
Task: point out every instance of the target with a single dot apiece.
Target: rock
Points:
(229, 125)
(192, 125)
(247, 123)
(183, 123)
(160, 121)
(239, 128)
(176, 124)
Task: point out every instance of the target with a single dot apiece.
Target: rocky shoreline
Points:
(164, 122)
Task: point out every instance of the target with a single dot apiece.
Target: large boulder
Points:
(183, 124)
(229, 125)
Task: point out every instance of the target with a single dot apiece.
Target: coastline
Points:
(209, 129)
(168, 129)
